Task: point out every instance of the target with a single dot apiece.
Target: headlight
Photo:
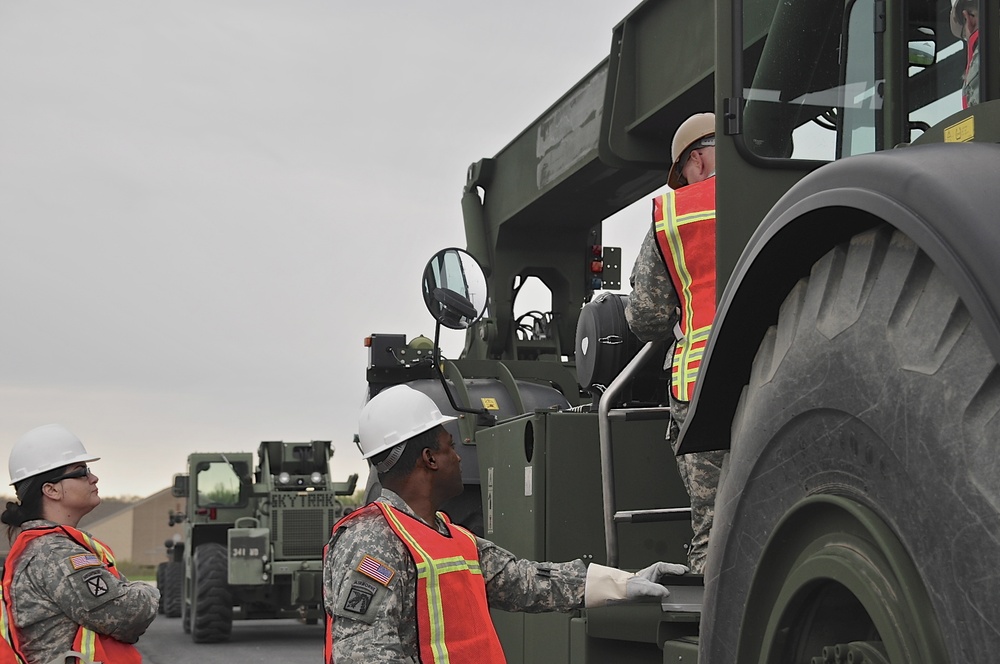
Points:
(316, 478)
(284, 478)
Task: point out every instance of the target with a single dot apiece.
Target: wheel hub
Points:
(858, 652)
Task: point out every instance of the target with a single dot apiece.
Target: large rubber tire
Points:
(186, 617)
(859, 506)
(212, 601)
(160, 586)
(170, 594)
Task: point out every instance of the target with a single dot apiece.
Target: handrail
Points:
(650, 350)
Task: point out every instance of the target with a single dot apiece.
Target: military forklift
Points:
(253, 537)
(852, 369)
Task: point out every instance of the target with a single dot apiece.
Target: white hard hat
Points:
(956, 19)
(395, 415)
(692, 130)
(45, 448)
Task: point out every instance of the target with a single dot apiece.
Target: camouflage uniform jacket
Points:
(970, 82)
(384, 628)
(51, 599)
(652, 309)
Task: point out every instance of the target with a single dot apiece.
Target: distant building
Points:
(134, 531)
(137, 533)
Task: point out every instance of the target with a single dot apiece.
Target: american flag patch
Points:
(84, 560)
(376, 570)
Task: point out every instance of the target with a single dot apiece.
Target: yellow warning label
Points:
(961, 132)
(490, 403)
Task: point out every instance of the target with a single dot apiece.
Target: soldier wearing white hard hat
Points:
(63, 596)
(691, 160)
(375, 599)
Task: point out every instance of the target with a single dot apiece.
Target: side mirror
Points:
(923, 48)
(454, 286)
(922, 53)
(180, 487)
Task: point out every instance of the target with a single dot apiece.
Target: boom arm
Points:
(536, 208)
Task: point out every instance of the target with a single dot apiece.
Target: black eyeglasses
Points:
(71, 475)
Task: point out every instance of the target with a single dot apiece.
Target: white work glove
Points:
(606, 584)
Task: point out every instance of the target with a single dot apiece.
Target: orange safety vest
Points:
(685, 231)
(92, 646)
(453, 614)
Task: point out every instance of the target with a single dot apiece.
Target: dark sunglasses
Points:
(71, 475)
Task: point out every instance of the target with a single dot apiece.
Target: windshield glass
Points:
(218, 485)
(814, 81)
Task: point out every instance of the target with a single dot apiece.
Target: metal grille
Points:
(304, 532)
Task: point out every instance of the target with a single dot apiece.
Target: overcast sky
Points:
(205, 206)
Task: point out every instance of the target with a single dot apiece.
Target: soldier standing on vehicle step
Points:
(63, 598)
(402, 583)
(673, 297)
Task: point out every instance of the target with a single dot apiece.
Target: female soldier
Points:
(63, 598)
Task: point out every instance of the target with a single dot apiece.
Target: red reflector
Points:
(368, 342)
(212, 513)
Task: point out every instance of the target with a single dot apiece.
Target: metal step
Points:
(637, 414)
(653, 515)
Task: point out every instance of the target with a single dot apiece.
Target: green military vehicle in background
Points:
(852, 371)
(253, 537)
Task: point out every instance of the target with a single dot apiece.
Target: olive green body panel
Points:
(248, 549)
(980, 124)
(643, 107)
(626, 633)
(541, 485)
(542, 488)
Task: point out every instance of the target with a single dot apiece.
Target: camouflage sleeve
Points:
(522, 585)
(88, 593)
(652, 305)
(970, 85)
(372, 621)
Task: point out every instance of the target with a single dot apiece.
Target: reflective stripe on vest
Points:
(7, 653)
(453, 616)
(86, 644)
(685, 232)
(92, 646)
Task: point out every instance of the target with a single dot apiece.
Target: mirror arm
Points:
(482, 412)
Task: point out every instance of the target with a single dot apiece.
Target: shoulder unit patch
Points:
(359, 597)
(96, 585)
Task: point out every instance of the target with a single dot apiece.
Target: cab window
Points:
(792, 78)
(943, 58)
(814, 82)
(218, 485)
